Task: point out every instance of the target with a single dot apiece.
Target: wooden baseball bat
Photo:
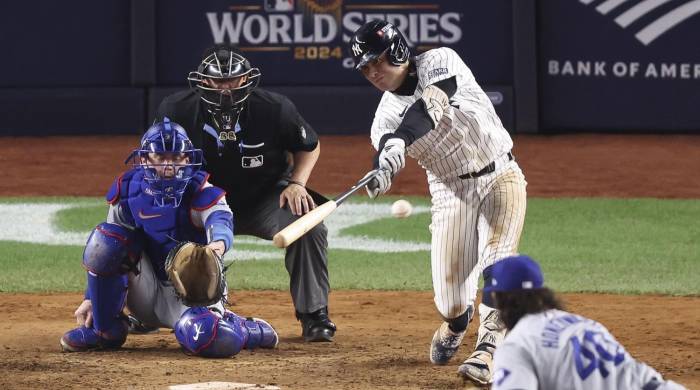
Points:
(301, 226)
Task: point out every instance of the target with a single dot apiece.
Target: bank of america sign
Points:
(633, 10)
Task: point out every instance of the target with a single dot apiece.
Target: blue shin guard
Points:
(108, 295)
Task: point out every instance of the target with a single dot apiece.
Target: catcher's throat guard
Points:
(197, 274)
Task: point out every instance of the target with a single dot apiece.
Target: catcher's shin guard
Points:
(258, 332)
(202, 332)
(478, 367)
(84, 339)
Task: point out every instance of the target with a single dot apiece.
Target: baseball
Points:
(401, 208)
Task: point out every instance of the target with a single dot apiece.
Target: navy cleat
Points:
(138, 327)
(445, 344)
(85, 339)
(317, 326)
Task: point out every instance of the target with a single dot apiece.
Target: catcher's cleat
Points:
(317, 326)
(477, 368)
(85, 339)
(138, 327)
(445, 344)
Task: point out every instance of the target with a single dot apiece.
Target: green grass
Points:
(597, 245)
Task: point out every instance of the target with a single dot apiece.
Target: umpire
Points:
(260, 150)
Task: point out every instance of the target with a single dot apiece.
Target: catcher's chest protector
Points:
(163, 227)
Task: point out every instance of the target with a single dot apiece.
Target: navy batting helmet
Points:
(375, 38)
(220, 63)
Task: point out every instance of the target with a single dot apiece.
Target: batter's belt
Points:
(486, 170)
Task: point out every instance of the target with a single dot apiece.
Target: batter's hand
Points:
(379, 185)
(83, 314)
(392, 156)
(300, 202)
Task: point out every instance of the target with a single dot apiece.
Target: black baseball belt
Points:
(486, 170)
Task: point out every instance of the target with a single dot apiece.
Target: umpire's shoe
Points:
(85, 339)
(316, 326)
(445, 344)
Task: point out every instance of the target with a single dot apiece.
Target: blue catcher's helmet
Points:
(169, 160)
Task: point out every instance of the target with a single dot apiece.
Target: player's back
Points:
(559, 350)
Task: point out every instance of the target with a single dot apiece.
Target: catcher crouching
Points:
(160, 254)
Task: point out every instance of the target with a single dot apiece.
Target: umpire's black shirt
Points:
(251, 166)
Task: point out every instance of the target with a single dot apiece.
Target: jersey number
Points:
(594, 351)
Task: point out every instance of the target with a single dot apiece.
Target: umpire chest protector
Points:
(253, 161)
(163, 227)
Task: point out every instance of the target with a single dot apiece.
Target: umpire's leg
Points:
(306, 259)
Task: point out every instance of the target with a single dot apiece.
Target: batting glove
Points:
(392, 157)
(379, 185)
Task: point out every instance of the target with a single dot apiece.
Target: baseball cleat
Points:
(445, 344)
(138, 327)
(317, 326)
(477, 368)
(85, 339)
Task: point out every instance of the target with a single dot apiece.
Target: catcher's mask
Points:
(375, 38)
(169, 160)
(225, 79)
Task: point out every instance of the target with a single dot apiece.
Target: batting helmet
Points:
(375, 38)
(220, 63)
(167, 138)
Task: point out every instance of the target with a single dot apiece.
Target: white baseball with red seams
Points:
(401, 208)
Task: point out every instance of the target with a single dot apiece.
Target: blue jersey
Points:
(132, 206)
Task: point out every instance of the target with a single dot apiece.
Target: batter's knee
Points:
(111, 250)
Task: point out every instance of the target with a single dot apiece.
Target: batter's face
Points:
(383, 75)
(165, 164)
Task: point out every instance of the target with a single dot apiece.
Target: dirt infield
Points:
(383, 337)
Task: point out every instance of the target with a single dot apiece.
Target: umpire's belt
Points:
(487, 169)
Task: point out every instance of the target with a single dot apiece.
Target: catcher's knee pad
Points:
(202, 332)
(111, 250)
(259, 333)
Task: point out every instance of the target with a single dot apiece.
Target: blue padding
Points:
(107, 294)
(207, 197)
(111, 250)
(202, 332)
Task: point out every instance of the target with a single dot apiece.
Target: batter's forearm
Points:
(304, 163)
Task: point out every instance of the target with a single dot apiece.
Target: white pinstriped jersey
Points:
(559, 350)
(469, 136)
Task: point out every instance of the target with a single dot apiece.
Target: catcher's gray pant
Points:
(305, 259)
(153, 301)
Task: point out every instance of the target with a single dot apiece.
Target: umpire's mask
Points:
(225, 80)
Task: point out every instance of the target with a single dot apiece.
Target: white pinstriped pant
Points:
(474, 223)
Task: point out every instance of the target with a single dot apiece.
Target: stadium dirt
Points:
(383, 337)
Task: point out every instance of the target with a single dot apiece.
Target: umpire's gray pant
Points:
(306, 259)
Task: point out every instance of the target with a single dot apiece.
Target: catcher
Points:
(159, 252)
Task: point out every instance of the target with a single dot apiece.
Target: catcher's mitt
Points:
(197, 273)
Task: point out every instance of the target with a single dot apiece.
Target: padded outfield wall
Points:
(79, 66)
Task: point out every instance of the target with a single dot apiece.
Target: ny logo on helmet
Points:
(356, 49)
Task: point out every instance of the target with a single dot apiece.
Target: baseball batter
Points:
(548, 348)
(164, 199)
(434, 110)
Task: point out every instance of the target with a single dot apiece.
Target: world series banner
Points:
(616, 65)
(303, 42)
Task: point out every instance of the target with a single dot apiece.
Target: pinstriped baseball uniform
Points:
(475, 221)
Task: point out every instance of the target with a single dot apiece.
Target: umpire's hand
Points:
(299, 201)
